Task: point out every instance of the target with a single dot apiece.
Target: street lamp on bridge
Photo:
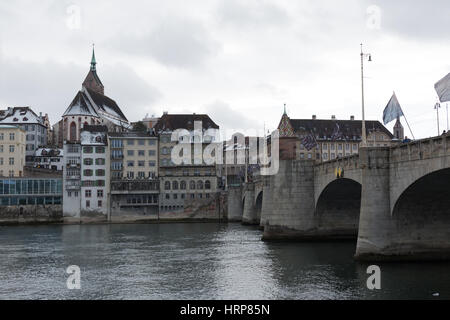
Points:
(363, 56)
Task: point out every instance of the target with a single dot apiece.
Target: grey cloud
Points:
(50, 87)
(175, 42)
(252, 13)
(424, 20)
(228, 118)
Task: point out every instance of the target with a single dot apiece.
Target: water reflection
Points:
(195, 261)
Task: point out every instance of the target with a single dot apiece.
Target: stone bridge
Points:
(394, 200)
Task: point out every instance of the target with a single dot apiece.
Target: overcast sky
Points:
(238, 61)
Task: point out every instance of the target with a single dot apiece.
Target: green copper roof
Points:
(93, 62)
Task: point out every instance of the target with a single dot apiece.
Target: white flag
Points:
(392, 110)
(443, 88)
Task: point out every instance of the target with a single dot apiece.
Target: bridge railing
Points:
(421, 149)
(347, 162)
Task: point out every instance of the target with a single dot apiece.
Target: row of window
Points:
(11, 161)
(118, 143)
(192, 185)
(186, 173)
(131, 163)
(11, 173)
(30, 186)
(90, 173)
(90, 161)
(142, 199)
(12, 136)
(12, 148)
(131, 175)
(88, 193)
(93, 183)
(176, 196)
(141, 153)
(91, 149)
(22, 201)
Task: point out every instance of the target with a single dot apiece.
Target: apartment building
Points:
(95, 164)
(134, 172)
(86, 173)
(12, 151)
(71, 179)
(188, 182)
(49, 158)
(34, 125)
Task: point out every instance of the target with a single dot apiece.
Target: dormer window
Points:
(25, 119)
(15, 119)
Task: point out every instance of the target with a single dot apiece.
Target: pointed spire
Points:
(285, 109)
(93, 62)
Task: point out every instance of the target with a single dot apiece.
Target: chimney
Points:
(165, 112)
(314, 117)
(333, 117)
(352, 118)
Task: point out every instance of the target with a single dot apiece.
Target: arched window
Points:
(207, 184)
(73, 131)
(200, 185)
(175, 185)
(192, 185)
(183, 185)
(167, 185)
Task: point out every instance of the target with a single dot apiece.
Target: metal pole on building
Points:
(363, 129)
(447, 116)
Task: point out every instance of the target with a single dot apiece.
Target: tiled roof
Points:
(105, 103)
(324, 129)
(170, 122)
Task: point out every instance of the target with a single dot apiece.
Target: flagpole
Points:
(414, 138)
(437, 106)
(363, 129)
(447, 116)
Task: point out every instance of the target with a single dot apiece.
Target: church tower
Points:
(92, 80)
(399, 132)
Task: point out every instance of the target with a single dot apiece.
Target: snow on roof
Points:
(49, 152)
(93, 138)
(20, 115)
(80, 106)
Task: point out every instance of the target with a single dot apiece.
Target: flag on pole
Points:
(393, 110)
(309, 142)
(443, 88)
(337, 133)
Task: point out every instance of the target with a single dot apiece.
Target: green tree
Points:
(139, 126)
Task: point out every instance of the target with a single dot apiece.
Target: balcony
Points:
(117, 157)
(73, 177)
(73, 165)
(71, 187)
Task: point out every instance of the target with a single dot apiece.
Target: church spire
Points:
(92, 80)
(93, 62)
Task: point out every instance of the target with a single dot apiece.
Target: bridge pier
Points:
(291, 206)
(234, 210)
(413, 226)
(249, 216)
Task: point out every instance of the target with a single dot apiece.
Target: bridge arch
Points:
(338, 208)
(422, 211)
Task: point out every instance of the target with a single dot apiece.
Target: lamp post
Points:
(364, 135)
(437, 106)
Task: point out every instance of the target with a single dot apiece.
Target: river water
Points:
(196, 261)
